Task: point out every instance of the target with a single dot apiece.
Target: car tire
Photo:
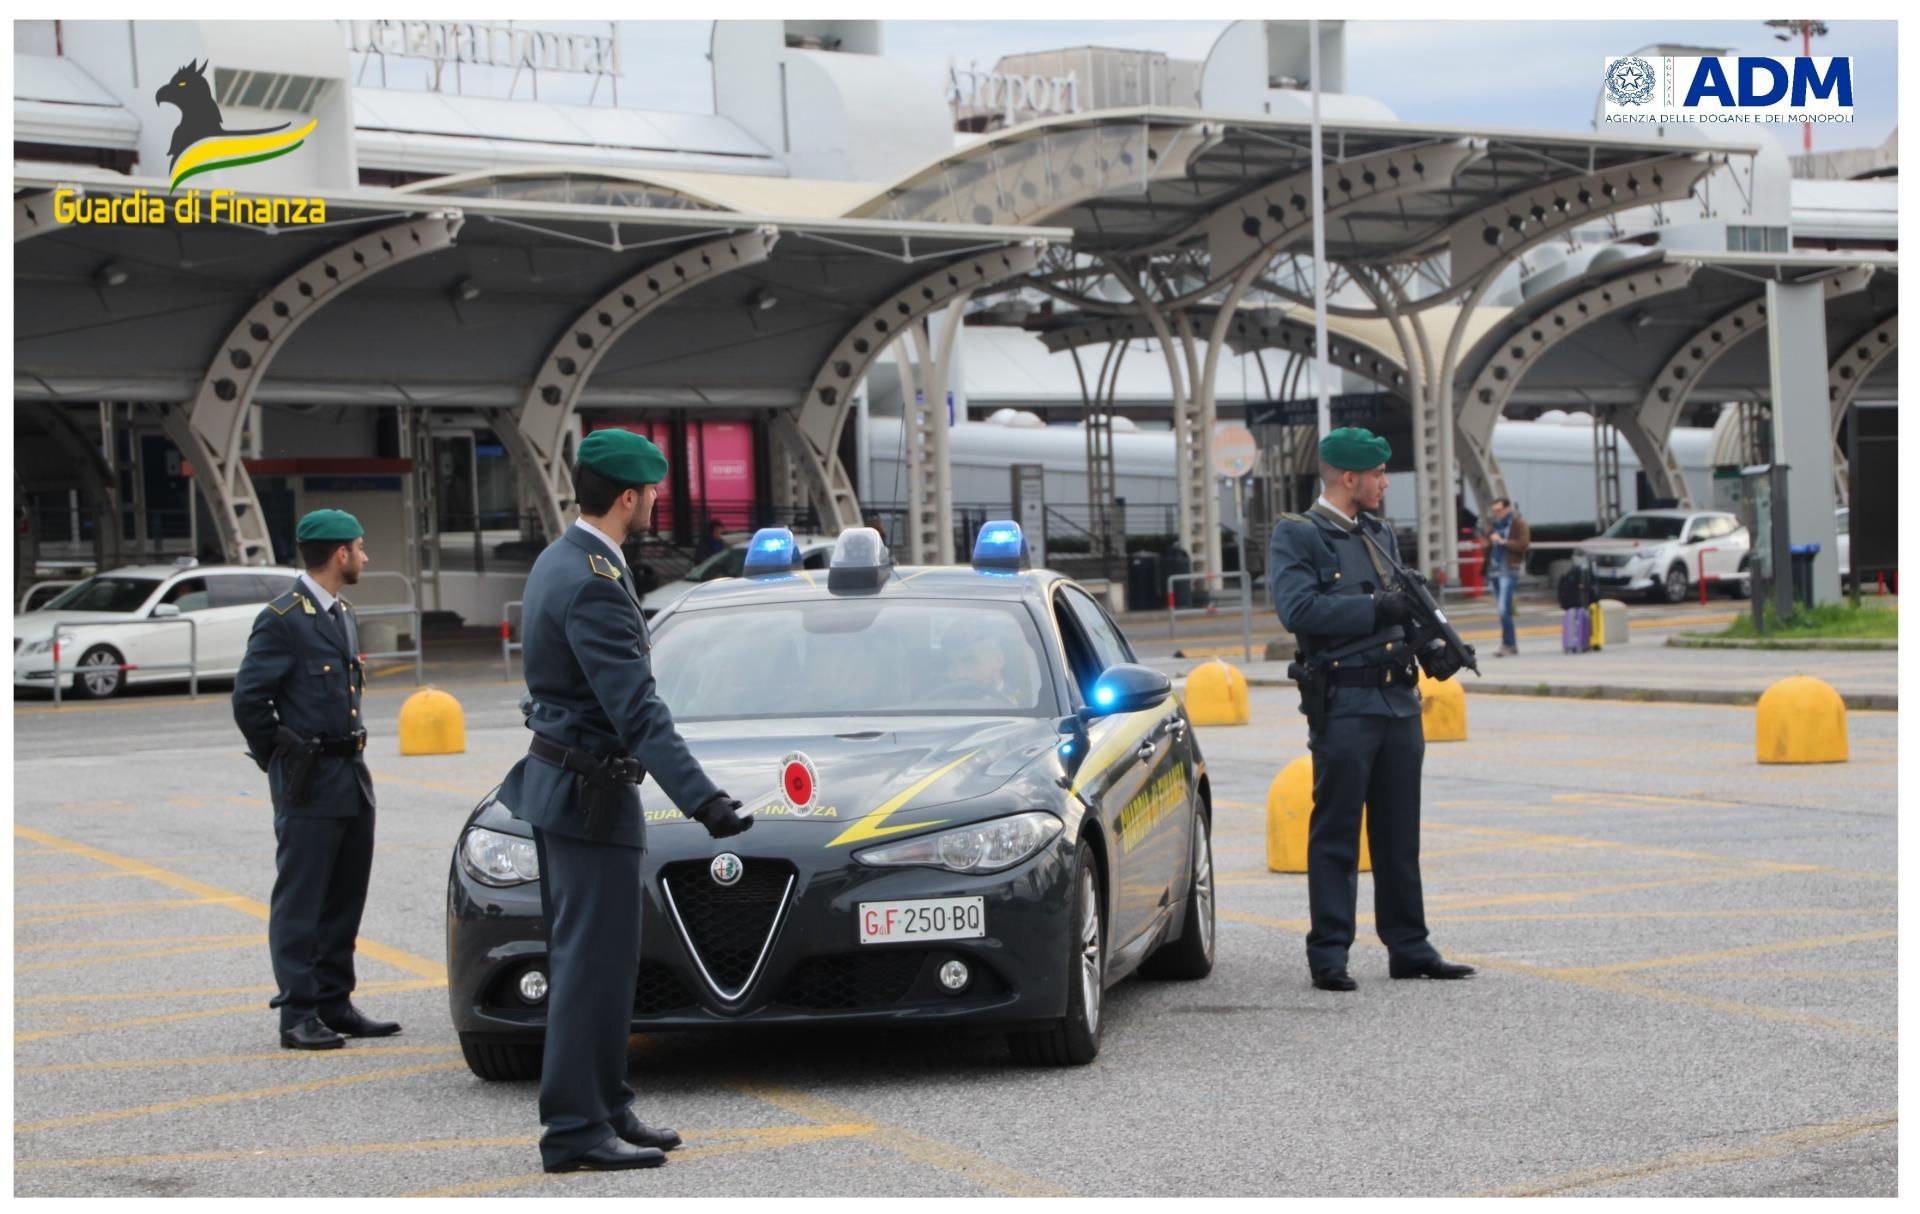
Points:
(1189, 956)
(1740, 588)
(1074, 1039)
(502, 1061)
(1674, 586)
(98, 674)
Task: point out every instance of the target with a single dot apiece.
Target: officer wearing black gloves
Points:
(1335, 587)
(296, 699)
(598, 728)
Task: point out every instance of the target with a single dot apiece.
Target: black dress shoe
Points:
(310, 1034)
(355, 1023)
(613, 1155)
(1335, 980)
(1435, 968)
(640, 1134)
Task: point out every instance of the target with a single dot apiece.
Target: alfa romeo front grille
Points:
(728, 929)
(853, 980)
(659, 990)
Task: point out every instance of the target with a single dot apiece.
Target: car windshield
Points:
(728, 562)
(852, 657)
(1645, 527)
(106, 593)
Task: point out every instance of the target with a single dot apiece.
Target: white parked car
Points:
(814, 550)
(1661, 553)
(115, 625)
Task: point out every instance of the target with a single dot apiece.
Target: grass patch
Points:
(1830, 621)
(1543, 689)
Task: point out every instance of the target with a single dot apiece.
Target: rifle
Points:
(1432, 619)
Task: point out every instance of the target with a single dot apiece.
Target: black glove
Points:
(1392, 607)
(722, 817)
(1438, 661)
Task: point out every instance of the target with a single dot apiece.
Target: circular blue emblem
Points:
(1630, 81)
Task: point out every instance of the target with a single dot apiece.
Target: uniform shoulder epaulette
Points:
(602, 566)
(285, 603)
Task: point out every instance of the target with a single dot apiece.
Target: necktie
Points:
(339, 618)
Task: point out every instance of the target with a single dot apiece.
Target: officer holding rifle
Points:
(1361, 622)
(296, 699)
(598, 728)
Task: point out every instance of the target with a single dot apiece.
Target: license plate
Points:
(923, 919)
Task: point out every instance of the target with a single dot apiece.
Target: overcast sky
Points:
(1541, 74)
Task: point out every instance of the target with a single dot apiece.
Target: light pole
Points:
(1809, 30)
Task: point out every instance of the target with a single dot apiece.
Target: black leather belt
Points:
(1373, 676)
(343, 748)
(624, 768)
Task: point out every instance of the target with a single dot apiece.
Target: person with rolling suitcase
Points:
(1577, 594)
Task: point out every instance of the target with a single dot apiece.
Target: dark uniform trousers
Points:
(585, 651)
(1370, 750)
(302, 671)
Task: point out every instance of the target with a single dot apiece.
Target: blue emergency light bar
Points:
(1000, 545)
(769, 551)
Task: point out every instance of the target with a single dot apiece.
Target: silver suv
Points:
(1664, 553)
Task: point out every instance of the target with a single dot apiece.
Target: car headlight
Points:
(984, 847)
(492, 858)
(43, 645)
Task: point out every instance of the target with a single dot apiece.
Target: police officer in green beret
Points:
(1333, 576)
(296, 699)
(598, 727)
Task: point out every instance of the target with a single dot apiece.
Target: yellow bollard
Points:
(1216, 694)
(432, 723)
(1800, 720)
(1289, 807)
(1443, 709)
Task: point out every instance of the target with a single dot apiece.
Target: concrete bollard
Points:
(1443, 709)
(1216, 694)
(1613, 624)
(432, 723)
(1800, 720)
(1289, 810)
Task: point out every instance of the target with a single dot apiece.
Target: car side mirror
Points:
(166, 611)
(1127, 687)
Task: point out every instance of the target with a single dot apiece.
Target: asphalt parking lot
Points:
(1688, 987)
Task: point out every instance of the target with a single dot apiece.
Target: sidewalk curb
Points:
(1859, 644)
(1863, 702)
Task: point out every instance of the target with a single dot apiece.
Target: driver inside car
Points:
(976, 665)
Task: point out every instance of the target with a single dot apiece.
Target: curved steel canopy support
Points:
(1844, 377)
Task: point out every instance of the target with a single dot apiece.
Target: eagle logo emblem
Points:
(202, 142)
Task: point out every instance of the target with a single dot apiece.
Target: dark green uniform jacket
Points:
(301, 671)
(1323, 581)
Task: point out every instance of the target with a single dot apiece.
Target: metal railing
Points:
(191, 665)
(1214, 581)
(411, 610)
(26, 600)
(508, 646)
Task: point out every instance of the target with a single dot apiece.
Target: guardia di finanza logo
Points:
(1630, 81)
(202, 142)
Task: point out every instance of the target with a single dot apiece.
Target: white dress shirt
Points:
(604, 538)
(318, 593)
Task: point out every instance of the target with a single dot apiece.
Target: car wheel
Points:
(98, 674)
(502, 1061)
(1074, 1039)
(1190, 956)
(1741, 587)
(1676, 585)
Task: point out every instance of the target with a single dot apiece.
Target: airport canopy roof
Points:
(138, 311)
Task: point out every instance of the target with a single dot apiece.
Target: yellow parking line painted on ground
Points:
(759, 1139)
(465, 790)
(63, 878)
(1634, 799)
(135, 942)
(1729, 954)
(74, 963)
(1792, 1142)
(175, 1017)
(1563, 842)
(399, 958)
(1809, 975)
(213, 992)
(109, 910)
(1458, 902)
(1229, 803)
(274, 1154)
(201, 1102)
(945, 1156)
(1757, 912)
(358, 1052)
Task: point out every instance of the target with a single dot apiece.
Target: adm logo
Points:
(202, 143)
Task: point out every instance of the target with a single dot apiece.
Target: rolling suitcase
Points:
(1576, 630)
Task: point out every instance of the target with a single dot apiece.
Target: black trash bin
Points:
(1803, 555)
(1145, 590)
(1178, 562)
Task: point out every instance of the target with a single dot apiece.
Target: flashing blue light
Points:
(770, 551)
(1000, 545)
(1103, 696)
(1066, 748)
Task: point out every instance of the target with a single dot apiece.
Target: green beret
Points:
(328, 525)
(623, 457)
(1352, 449)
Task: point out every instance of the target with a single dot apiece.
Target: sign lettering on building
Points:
(489, 45)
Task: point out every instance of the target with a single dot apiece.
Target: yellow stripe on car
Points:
(1114, 745)
(870, 826)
